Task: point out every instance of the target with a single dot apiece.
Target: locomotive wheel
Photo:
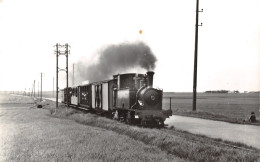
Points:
(143, 123)
(130, 118)
(116, 115)
(121, 115)
(160, 123)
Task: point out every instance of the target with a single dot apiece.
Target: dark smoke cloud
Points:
(116, 59)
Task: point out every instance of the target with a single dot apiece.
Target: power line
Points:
(65, 51)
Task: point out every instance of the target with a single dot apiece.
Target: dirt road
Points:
(246, 134)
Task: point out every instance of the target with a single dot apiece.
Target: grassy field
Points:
(15, 99)
(183, 145)
(30, 134)
(235, 108)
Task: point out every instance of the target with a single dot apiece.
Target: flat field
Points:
(31, 134)
(235, 108)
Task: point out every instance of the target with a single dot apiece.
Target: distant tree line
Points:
(227, 91)
(221, 91)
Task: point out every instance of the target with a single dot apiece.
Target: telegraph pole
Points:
(67, 70)
(73, 76)
(41, 86)
(196, 57)
(32, 91)
(34, 88)
(57, 75)
(53, 87)
(65, 52)
(38, 89)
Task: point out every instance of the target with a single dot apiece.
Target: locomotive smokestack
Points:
(150, 78)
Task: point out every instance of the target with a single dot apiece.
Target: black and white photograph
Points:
(130, 80)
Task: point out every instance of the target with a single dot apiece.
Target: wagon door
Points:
(105, 96)
(93, 95)
(98, 96)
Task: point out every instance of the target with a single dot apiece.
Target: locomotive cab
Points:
(135, 91)
(136, 99)
(125, 90)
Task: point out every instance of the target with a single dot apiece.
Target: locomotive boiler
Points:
(127, 97)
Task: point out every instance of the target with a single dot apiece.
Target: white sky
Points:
(229, 40)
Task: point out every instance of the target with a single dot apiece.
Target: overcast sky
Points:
(228, 52)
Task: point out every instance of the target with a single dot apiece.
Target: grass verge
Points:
(217, 117)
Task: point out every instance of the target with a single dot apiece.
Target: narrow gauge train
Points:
(127, 97)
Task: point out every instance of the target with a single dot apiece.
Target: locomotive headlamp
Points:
(141, 103)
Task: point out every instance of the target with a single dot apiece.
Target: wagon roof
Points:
(98, 82)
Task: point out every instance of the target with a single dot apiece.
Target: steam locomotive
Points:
(127, 97)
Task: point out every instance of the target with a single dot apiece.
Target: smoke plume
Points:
(116, 59)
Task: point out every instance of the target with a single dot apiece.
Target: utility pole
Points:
(66, 53)
(32, 91)
(57, 75)
(41, 86)
(38, 89)
(67, 70)
(34, 88)
(53, 87)
(196, 58)
(73, 76)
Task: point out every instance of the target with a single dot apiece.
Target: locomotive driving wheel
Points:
(160, 123)
(130, 117)
(116, 115)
